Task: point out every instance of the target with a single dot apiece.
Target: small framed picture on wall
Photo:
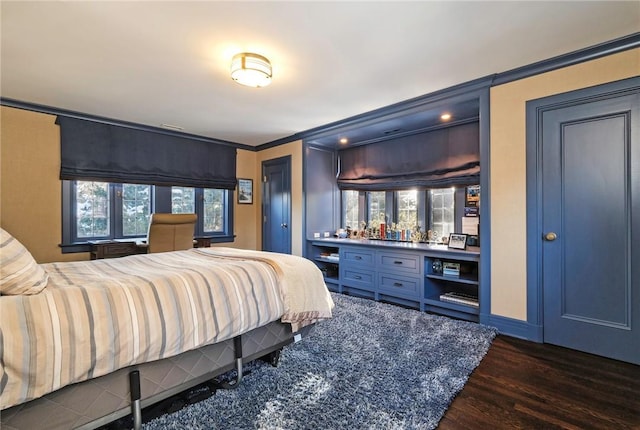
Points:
(245, 191)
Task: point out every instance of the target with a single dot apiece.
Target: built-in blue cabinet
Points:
(431, 278)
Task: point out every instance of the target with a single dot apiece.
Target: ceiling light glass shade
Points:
(252, 70)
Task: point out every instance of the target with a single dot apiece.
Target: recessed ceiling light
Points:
(445, 116)
(344, 140)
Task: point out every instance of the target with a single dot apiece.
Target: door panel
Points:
(591, 173)
(276, 209)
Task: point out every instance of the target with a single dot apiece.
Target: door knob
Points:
(284, 225)
(550, 237)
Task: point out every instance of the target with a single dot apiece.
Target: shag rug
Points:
(373, 366)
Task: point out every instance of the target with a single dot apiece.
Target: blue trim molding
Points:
(448, 94)
(587, 54)
(516, 328)
(85, 116)
(398, 109)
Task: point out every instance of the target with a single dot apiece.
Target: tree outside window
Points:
(102, 210)
(407, 209)
(213, 210)
(376, 201)
(93, 208)
(136, 209)
(183, 200)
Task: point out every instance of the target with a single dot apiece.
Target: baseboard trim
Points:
(516, 328)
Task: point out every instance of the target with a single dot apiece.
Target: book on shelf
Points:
(460, 298)
(333, 256)
(451, 269)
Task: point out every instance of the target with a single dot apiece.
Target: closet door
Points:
(591, 226)
(276, 205)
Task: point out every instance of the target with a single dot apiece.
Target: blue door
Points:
(591, 225)
(276, 205)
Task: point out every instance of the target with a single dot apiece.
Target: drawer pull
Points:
(397, 284)
(357, 257)
(397, 262)
(357, 277)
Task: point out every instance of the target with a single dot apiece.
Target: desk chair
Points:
(171, 232)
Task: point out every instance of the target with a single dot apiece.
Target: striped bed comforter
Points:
(95, 317)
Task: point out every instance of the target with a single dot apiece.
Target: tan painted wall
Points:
(30, 191)
(508, 168)
(244, 216)
(294, 149)
(31, 195)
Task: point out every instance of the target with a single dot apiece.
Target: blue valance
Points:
(98, 151)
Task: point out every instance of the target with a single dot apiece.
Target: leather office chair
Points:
(171, 232)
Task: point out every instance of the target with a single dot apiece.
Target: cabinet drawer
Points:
(113, 249)
(118, 249)
(357, 255)
(391, 261)
(399, 285)
(357, 278)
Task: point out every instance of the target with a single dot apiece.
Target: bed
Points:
(83, 342)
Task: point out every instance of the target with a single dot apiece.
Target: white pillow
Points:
(19, 272)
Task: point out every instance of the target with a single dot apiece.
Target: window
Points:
(136, 209)
(442, 214)
(213, 213)
(102, 210)
(407, 209)
(183, 200)
(351, 209)
(208, 203)
(434, 209)
(376, 207)
(93, 208)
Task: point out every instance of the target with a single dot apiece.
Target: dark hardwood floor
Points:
(527, 385)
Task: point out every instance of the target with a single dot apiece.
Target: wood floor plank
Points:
(527, 385)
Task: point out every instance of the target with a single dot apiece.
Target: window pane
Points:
(376, 201)
(213, 210)
(136, 209)
(351, 209)
(407, 209)
(183, 200)
(92, 209)
(441, 219)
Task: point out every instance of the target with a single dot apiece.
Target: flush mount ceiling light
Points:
(252, 70)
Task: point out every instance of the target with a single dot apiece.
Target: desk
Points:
(113, 249)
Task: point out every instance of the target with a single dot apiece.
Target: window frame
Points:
(160, 203)
(391, 206)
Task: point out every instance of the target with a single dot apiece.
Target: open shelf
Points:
(437, 284)
(327, 260)
(463, 279)
(435, 301)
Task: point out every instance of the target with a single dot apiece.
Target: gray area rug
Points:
(373, 366)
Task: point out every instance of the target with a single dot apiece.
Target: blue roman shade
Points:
(98, 151)
(435, 159)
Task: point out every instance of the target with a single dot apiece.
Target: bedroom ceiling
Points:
(154, 63)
